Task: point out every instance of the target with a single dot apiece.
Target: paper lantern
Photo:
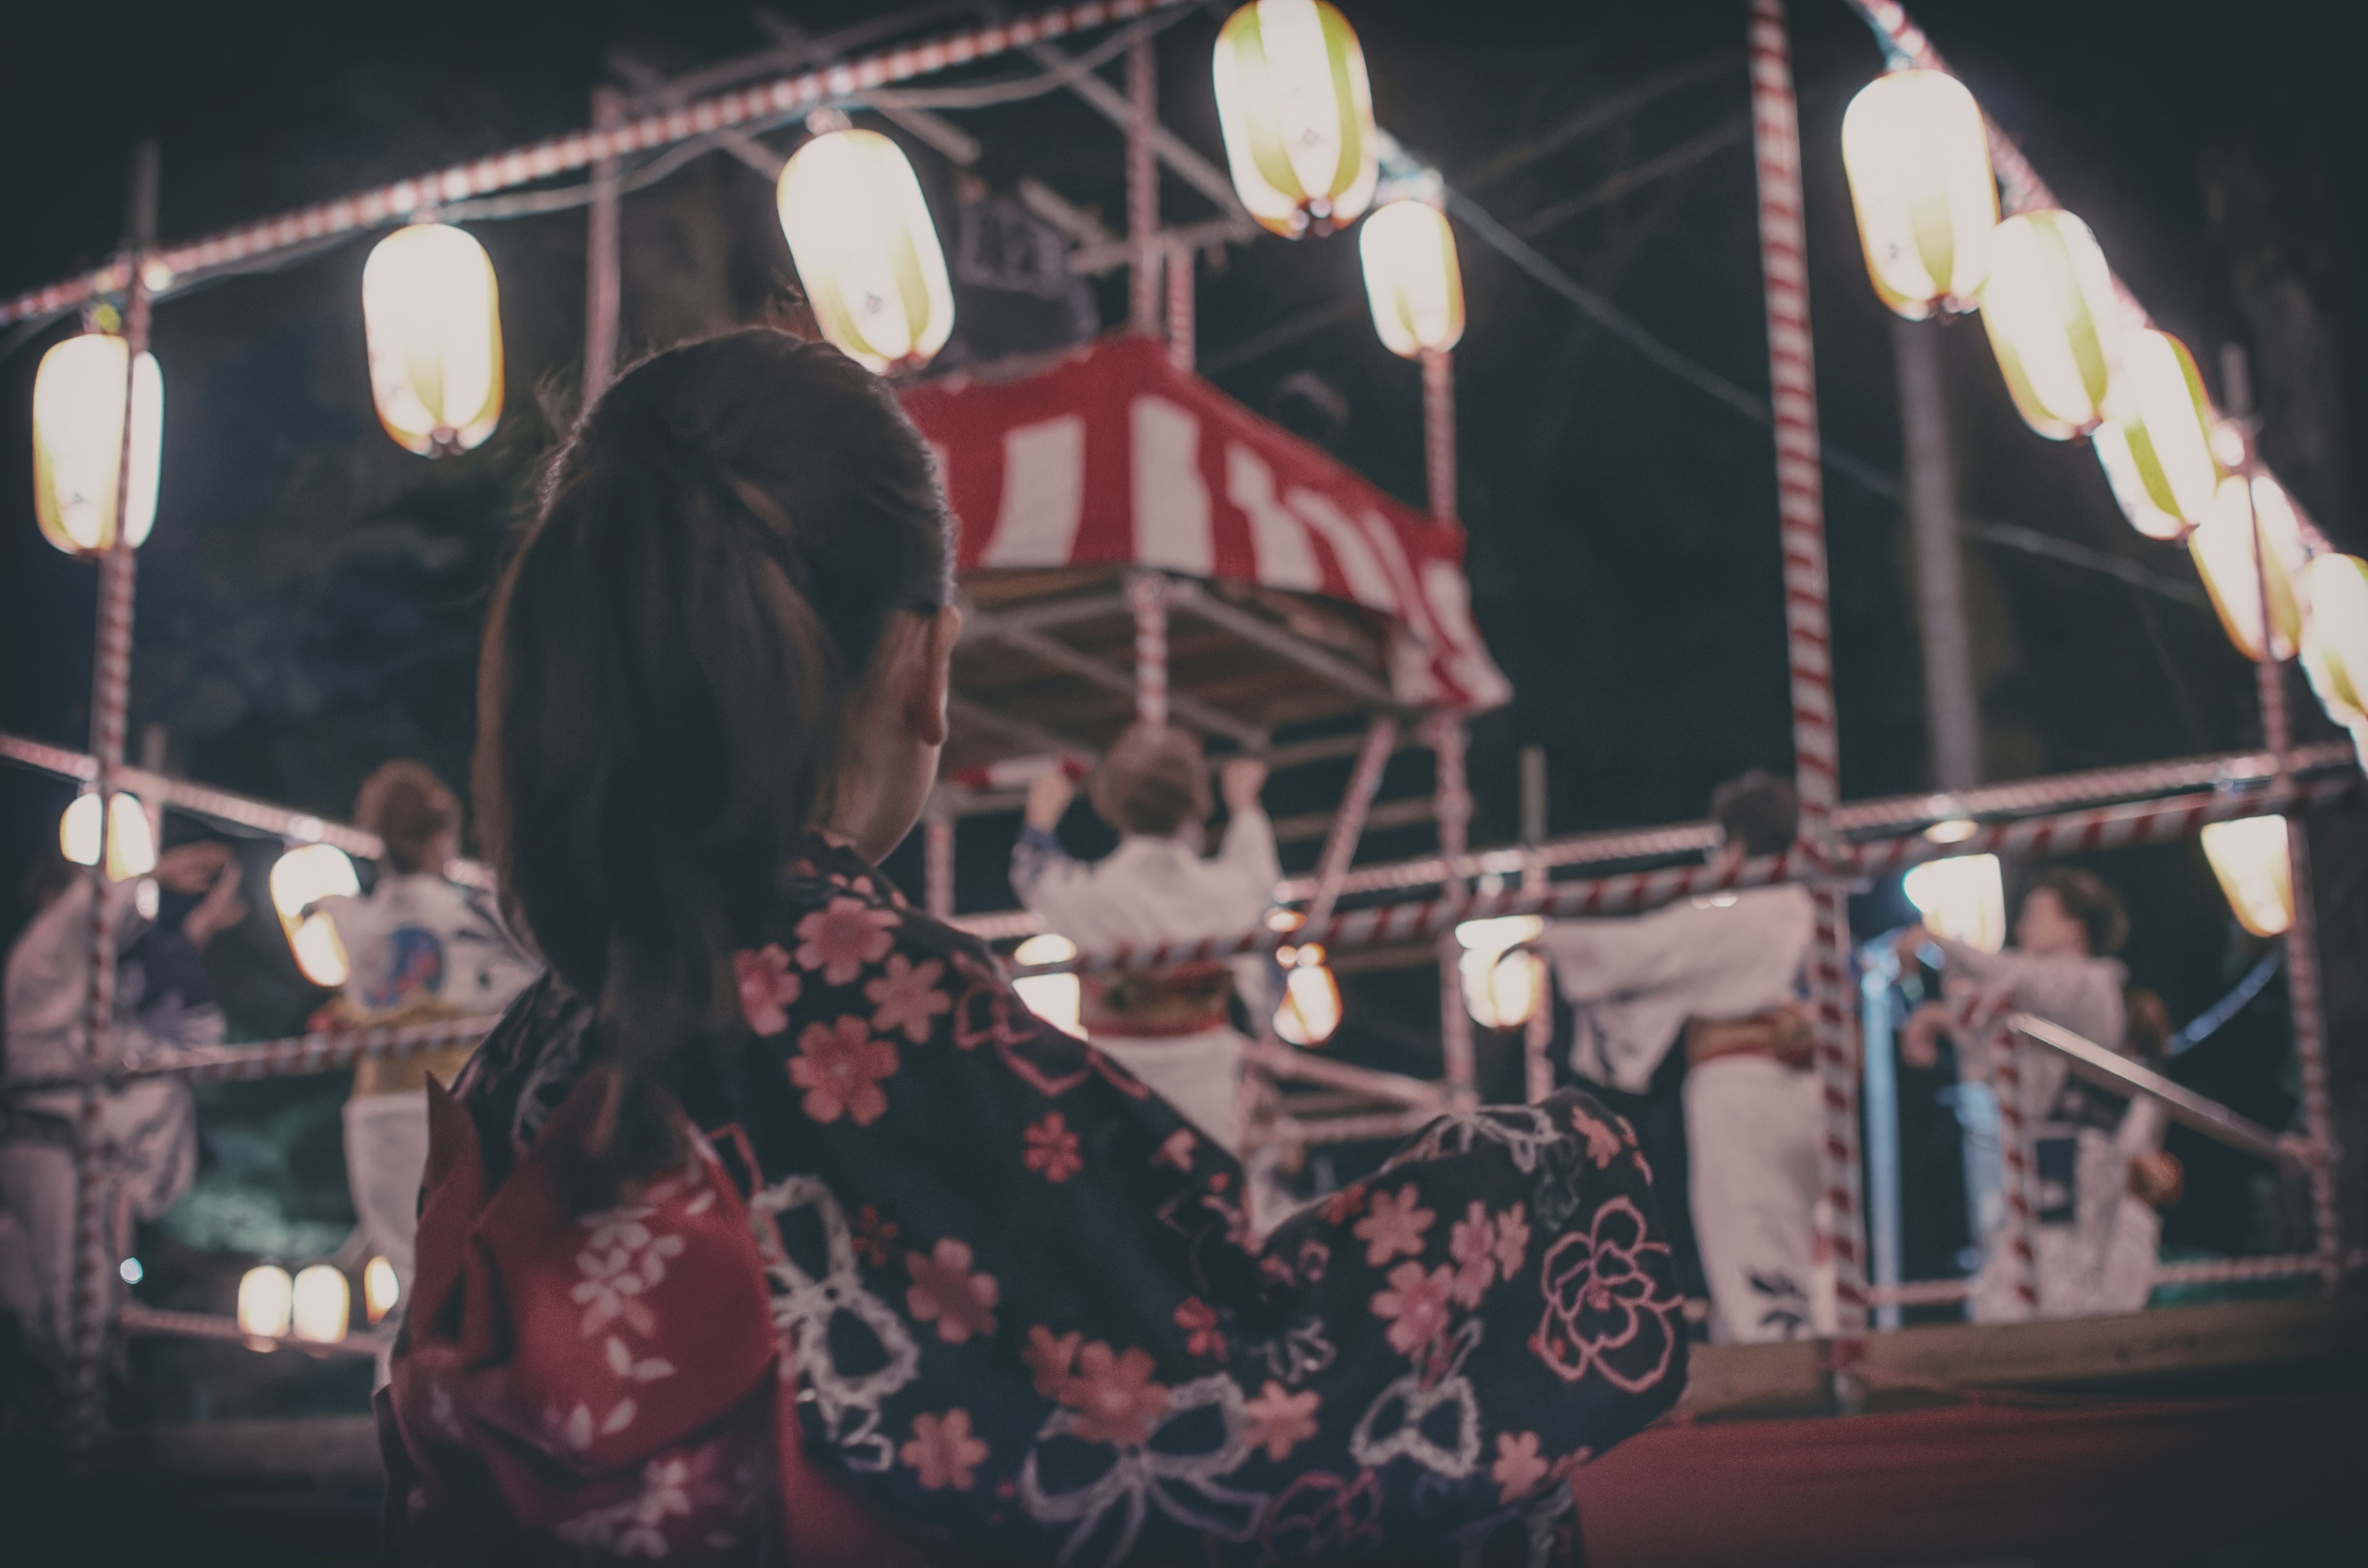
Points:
(2157, 449)
(1919, 161)
(2048, 306)
(78, 443)
(1310, 1012)
(2335, 642)
(131, 844)
(1057, 999)
(2223, 548)
(321, 1302)
(1962, 898)
(1501, 987)
(866, 250)
(1411, 278)
(266, 1300)
(381, 1290)
(431, 312)
(2249, 856)
(1297, 115)
(301, 879)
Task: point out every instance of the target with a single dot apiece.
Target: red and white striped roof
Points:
(1115, 457)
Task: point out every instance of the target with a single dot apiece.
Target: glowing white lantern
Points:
(2223, 548)
(1311, 997)
(381, 1290)
(1919, 161)
(301, 879)
(431, 312)
(78, 443)
(2157, 449)
(1501, 988)
(1411, 278)
(1297, 114)
(2335, 642)
(1962, 898)
(321, 1303)
(2249, 856)
(131, 844)
(266, 1300)
(1056, 998)
(866, 250)
(2048, 306)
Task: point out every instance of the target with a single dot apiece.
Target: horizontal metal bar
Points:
(1301, 1066)
(1059, 654)
(2110, 1070)
(1185, 594)
(135, 1317)
(1314, 824)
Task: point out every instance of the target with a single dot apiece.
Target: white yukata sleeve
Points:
(1594, 960)
(1050, 884)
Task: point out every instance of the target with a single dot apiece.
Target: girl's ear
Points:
(928, 676)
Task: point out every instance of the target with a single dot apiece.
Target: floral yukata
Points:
(939, 1284)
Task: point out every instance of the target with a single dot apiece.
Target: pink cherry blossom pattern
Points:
(1609, 1306)
(871, 1236)
(1472, 1242)
(842, 936)
(1512, 1239)
(1112, 1395)
(1198, 1319)
(1517, 1469)
(1416, 1305)
(944, 1450)
(907, 998)
(1049, 1358)
(1393, 1225)
(945, 1292)
(840, 1067)
(1603, 1143)
(1053, 1149)
(768, 987)
(1280, 1420)
(1177, 1149)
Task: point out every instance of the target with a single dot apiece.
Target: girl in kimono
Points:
(1171, 1028)
(770, 1225)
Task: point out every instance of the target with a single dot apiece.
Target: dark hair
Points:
(1154, 781)
(1760, 811)
(409, 809)
(2149, 1031)
(720, 546)
(2085, 899)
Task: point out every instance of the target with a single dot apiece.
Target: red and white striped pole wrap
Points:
(1801, 511)
(1182, 345)
(764, 102)
(1439, 429)
(1143, 292)
(938, 865)
(1146, 595)
(327, 1052)
(1993, 1055)
(1451, 805)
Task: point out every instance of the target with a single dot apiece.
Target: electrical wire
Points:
(2208, 1022)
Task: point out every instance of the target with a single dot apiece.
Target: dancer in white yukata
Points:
(2098, 1170)
(1722, 973)
(1170, 1029)
(164, 1005)
(421, 948)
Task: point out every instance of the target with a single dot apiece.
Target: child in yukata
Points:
(422, 949)
(1170, 1029)
(1718, 979)
(2100, 1170)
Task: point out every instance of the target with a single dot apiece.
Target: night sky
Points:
(309, 603)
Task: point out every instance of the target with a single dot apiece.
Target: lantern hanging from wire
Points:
(1411, 278)
(321, 1304)
(1297, 114)
(1962, 898)
(301, 879)
(431, 314)
(1919, 161)
(267, 1299)
(78, 408)
(2335, 642)
(2249, 856)
(2049, 308)
(866, 250)
(1057, 999)
(2157, 448)
(1503, 980)
(2223, 548)
(1310, 1012)
(131, 844)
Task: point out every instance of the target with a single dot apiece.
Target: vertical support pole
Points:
(1952, 707)
(1537, 1042)
(1877, 970)
(1147, 595)
(1451, 805)
(603, 265)
(937, 864)
(110, 701)
(1439, 429)
(1800, 500)
(1348, 822)
(1533, 816)
(1181, 327)
(1997, 1059)
(1143, 186)
(1537, 1035)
